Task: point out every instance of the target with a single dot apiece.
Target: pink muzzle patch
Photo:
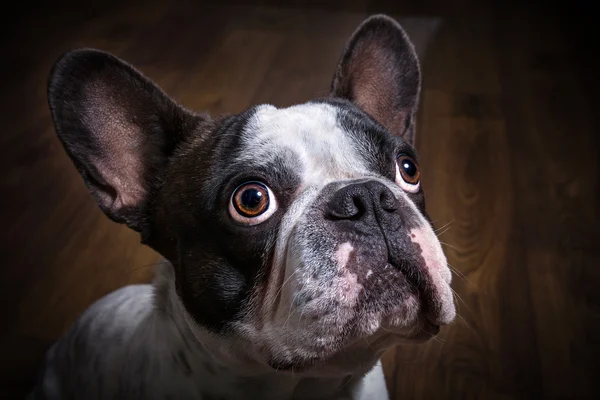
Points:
(436, 267)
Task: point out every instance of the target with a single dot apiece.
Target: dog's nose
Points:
(361, 200)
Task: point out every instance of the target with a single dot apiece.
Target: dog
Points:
(296, 240)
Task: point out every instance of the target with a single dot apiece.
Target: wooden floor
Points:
(508, 136)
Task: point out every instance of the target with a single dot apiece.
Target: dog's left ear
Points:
(379, 72)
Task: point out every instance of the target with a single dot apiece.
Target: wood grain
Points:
(509, 150)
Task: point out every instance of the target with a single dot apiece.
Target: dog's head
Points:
(296, 234)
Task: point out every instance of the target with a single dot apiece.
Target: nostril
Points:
(348, 203)
(362, 199)
(347, 209)
(358, 205)
(388, 201)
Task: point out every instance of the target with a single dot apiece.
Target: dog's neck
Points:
(208, 358)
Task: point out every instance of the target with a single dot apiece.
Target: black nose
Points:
(361, 200)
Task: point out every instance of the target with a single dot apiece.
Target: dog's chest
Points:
(135, 354)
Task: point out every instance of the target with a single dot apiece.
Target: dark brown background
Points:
(508, 135)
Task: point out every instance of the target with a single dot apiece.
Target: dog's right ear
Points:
(118, 127)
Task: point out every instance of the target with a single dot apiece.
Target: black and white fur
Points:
(299, 303)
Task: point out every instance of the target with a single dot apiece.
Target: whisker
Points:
(291, 311)
(281, 288)
(461, 275)
(437, 338)
(466, 323)
(387, 339)
(348, 380)
(449, 245)
(458, 313)
(302, 311)
(444, 226)
(461, 299)
(438, 233)
(154, 264)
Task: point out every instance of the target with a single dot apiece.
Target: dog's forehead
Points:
(319, 144)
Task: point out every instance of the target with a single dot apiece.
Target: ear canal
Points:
(379, 72)
(118, 128)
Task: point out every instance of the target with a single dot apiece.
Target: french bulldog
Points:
(297, 243)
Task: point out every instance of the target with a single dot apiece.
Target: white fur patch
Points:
(342, 255)
(347, 288)
(431, 251)
(437, 267)
(312, 132)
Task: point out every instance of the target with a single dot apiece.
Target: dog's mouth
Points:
(423, 332)
(405, 321)
(363, 289)
(425, 292)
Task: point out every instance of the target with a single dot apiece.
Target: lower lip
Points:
(432, 329)
(427, 331)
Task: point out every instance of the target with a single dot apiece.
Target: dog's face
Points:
(298, 235)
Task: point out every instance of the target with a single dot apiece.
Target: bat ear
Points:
(117, 126)
(379, 72)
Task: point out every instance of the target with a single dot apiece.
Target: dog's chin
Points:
(357, 357)
(353, 353)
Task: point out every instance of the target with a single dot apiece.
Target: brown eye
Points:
(409, 169)
(251, 199)
(252, 203)
(408, 176)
